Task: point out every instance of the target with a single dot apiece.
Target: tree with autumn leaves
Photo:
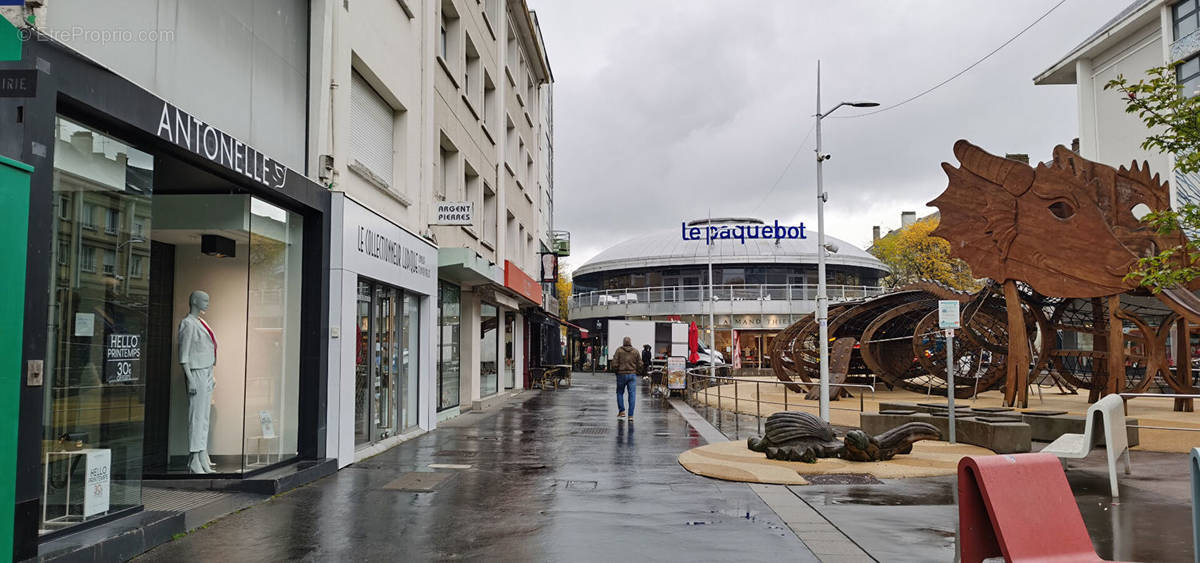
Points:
(912, 255)
(562, 288)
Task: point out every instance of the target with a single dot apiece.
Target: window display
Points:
(449, 301)
(229, 272)
(385, 379)
(94, 368)
(488, 350)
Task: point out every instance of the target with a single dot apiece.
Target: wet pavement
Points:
(914, 519)
(553, 476)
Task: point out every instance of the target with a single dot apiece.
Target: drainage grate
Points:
(843, 479)
(454, 453)
(591, 431)
(418, 481)
(582, 485)
(178, 500)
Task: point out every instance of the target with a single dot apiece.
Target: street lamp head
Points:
(862, 104)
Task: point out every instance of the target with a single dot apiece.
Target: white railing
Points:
(720, 293)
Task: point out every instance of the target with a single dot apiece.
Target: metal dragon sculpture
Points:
(799, 436)
(1057, 241)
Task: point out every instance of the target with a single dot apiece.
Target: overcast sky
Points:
(665, 109)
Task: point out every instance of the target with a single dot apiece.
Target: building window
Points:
(448, 35)
(1186, 17)
(489, 98)
(135, 268)
(87, 217)
(473, 76)
(474, 189)
(1188, 73)
(372, 133)
(87, 259)
(64, 251)
(510, 143)
(442, 46)
(489, 213)
(139, 229)
(448, 179)
(110, 262)
(112, 221)
(64, 207)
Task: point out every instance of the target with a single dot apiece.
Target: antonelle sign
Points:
(455, 213)
(709, 233)
(203, 139)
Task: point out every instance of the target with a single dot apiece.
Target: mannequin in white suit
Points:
(198, 355)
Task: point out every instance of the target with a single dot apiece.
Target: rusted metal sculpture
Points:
(1057, 242)
(800, 436)
(1066, 229)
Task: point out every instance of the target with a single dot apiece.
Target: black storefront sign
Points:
(123, 358)
(18, 83)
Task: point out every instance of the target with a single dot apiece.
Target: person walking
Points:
(627, 364)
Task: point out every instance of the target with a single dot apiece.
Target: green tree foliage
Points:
(1174, 122)
(912, 254)
(562, 288)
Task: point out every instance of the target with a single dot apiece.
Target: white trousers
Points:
(199, 408)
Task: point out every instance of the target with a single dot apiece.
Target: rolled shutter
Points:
(371, 132)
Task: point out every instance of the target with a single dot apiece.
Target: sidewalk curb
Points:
(824, 539)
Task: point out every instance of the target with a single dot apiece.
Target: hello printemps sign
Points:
(709, 233)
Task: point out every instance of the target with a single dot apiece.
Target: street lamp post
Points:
(822, 297)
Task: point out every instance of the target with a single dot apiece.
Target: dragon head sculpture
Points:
(1067, 228)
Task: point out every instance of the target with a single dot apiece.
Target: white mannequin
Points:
(198, 355)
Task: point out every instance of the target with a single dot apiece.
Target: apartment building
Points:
(170, 180)
(1146, 34)
(370, 145)
(491, 87)
(274, 167)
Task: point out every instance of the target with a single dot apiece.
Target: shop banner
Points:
(96, 487)
(676, 372)
(123, 358)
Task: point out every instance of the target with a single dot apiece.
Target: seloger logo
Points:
(12, 2)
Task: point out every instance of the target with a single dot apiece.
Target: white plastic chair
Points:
(1111, 410)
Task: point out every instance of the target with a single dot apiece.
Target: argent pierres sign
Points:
(709, 233)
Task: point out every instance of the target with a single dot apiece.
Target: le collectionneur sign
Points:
(709, 233)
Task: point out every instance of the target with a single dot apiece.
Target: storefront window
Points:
(385, 377)
(510, 363)
(409, 358)
(449, 304)
(362, 365)
(95, 374)
(227, 290)
(489, 346)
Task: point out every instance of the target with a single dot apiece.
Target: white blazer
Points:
(197, 346)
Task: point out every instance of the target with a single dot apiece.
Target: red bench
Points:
(1020, 507)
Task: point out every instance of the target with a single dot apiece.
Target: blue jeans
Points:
(626, 381)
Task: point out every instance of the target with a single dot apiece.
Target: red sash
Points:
(210, 337)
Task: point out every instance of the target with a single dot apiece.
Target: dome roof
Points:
(668, 248)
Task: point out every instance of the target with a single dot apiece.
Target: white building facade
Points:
(1146, 34)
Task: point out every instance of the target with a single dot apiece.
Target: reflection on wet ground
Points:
(553, 477)
(914, 519)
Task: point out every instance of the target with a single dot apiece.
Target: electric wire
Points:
(803, 145)
(959, 73)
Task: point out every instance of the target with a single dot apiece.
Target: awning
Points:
(583, 332)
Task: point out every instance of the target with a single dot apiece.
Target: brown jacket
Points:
(627, 360)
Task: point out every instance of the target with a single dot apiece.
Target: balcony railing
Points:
(720, 293)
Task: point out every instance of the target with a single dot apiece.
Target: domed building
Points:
(760, 285)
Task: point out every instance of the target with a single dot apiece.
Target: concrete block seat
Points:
(1110, 411)
(999, 434)
(1045, 426)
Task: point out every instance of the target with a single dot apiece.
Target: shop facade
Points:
(177, 291)
(383, 292)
